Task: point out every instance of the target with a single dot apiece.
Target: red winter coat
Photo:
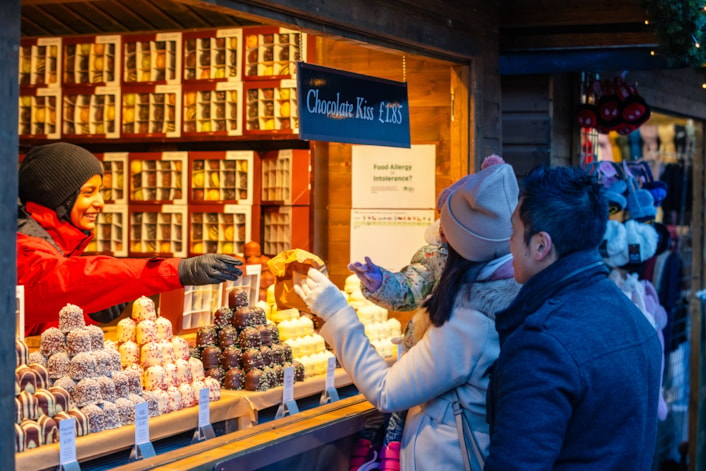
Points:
(54, 274)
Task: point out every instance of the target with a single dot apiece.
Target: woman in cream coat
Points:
(459, 345)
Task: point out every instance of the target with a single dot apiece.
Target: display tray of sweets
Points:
(157, 177)
(220, 228)
(111, 232)
(213, 109)
(271, 107)
(157, 229)
(212, 55)
(91, 112)
(221, 177)
(91, 60)
(38, 113)
(272, 53)
(151, 111)
(40, 62)
(152, 58)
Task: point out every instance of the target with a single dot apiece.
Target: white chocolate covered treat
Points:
(129, 353)
(126, 330)
(170, 370)
(154, 378)
(197, 372)
(188, 397)
(168, 355)
(151, 354)
(214, 388)
(181, 348)
(146, 331)
(164, 328)
(143, 309)
(174, 403)
(183, 371)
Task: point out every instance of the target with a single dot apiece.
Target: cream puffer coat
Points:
(455, 355)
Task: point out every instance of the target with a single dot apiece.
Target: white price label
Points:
(288, 393)
(330, 371)
(204, 404)
(67, 441)
(142, 428)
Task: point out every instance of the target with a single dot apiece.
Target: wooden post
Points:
(9, 54)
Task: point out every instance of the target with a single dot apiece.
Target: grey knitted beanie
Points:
(53, 174)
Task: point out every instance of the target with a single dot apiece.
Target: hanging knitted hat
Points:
(476, 216)
(52, 174)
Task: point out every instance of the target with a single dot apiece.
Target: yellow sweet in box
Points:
(198, 179)
(135, 167)
(213, 194)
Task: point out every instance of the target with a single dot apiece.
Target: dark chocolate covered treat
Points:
(255, 380)
(210, 356)
(267, 357)
(265, 335)
(249, 338)
(278, 354)
(227, 336)
(298, 371)
(237, 298)
(244, 317)
(234, 379)
(217, 373)
(206, 336)
(223, 316)
(52, 341)
(230, 357)
(252, 359)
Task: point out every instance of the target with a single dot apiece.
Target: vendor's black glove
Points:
(108, 315)
(209, 269)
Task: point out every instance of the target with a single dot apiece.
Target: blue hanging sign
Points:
(340, 106)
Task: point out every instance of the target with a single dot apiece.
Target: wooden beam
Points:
(380, 22)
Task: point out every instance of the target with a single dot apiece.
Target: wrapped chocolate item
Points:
(289, 268)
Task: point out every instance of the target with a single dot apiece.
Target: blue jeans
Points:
(395, 427)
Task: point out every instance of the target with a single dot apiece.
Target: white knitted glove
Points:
(320, 294)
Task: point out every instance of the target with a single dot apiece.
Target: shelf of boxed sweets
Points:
(231, 82)
(91, 112)
(286, 176)
(157, 230)
(152, 58)
(271, 107)
(285, 227)
(221, 228)
(272, 52)
(39, 110)
(212, 55)
(212, 109)
(151, 111)
(91, 60)
(221, 177)
(40, 62)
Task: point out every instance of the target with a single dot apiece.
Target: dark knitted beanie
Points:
(53, 174)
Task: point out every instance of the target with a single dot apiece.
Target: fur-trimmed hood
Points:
(487, 297)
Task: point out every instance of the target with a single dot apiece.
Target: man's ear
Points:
(541, 246)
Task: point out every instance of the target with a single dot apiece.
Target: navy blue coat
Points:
(577, 381)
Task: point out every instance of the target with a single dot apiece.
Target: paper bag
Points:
(289, 268)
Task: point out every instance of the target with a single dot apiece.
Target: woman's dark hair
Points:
(457, 272)
(567, 203)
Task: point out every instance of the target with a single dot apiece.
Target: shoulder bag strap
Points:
(466, 437)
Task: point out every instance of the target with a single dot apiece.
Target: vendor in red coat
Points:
(59, 191)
